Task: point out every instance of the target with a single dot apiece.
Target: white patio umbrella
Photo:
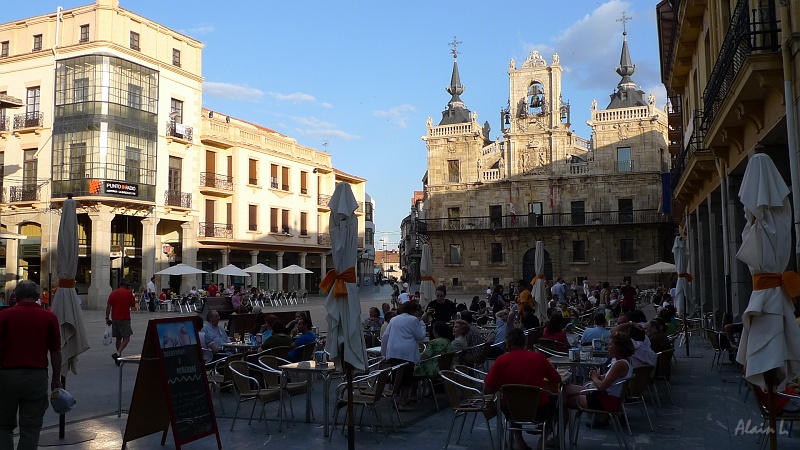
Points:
(231, 270)
(538, 282)
(345, 341)
(66, 306)
(180, 269)
(427, 287)
(769, 345)
(684, 303)
(658, 268)
(260, 268)
(294, 269)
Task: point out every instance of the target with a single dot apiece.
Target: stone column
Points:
(101, 262)
(323, 264)
(12, 260)
(253, 262)
(151, 248)
(224, 252)
(716, 272)
(279, 267)
(189, 254)
(303, 276)
(741, 281)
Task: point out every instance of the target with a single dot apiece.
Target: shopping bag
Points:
(107, 336)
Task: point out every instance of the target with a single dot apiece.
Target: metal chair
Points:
(782, 418)
(552, 344)
(521, 407)
(464, 400)
(549, 352)
(371, 401)
(636, 389)
(444, 362)
(532, 337)
(713, 338)
(274, 377)
(612, 415)
(662, 372)
(219, 375)
(248, 388)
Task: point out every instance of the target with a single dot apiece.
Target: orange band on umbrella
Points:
(66, 283)
(687, 275)
(538, 277)
(338, 280)
(431, 279)
(789, 280)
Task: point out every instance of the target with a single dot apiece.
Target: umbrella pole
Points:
(62, 418)
(351, 442)
(770, 377)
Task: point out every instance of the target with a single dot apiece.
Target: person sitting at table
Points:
(460, 330)
(387, 317)
(440, 310)
(373, 322)
(438, 345)
(215, 336)
(385, 307)
(607, 397)
(528, 317)
(474, 339)
(291, 327)
(400, 344)
(305, 337)
(212, 290)
(598, 331)
(505, 321)
(278, 338)
(236, 301)
(475, 306)
(484, 308)
(520, 366)
(554, 329)
(643, 354)
(266, 325)
(658, 340)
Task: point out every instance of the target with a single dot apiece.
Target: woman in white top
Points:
(607, 397)
(401, 344)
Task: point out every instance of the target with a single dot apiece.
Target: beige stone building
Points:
(595, 203)
(112, 115)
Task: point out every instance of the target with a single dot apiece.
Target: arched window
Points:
(536, 100)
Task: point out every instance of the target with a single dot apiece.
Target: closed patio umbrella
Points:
(66, 306)
(683, 297)
(538, 282)
(427, 287)
(770, 336)
(345, 341)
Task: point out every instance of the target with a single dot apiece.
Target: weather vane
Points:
(454, 44)
(624, 19)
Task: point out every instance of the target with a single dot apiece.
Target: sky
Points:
(358, 79)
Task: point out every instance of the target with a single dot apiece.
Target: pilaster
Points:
(253, 262)
(101, 263)
(279, 267)
(303, 277)
(189, 254)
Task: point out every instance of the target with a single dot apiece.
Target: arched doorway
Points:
(29, 266)
(529, 265)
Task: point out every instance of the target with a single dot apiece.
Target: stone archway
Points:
(529, 265)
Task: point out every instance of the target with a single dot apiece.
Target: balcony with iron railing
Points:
(594, 218)
(26, 193)
(216, 184)
(5, 123)
(215, 230)
(324, 239)
(323, 199)
(28, 121)
(180, 132)
(694, 161)
(178, 199)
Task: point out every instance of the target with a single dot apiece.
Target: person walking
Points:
(27, 333)
(118, 307)
(151, 294)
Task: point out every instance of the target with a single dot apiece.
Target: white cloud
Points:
(198, 30)
(231, 91)
(398, 115)
(296, 98)
(313, 127)
(327, 105)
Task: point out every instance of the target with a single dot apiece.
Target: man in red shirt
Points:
(27, 333)
(628, 293)
(520, 366)
(212, 290)
(119, 307)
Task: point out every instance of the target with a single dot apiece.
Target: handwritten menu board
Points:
(172, 380)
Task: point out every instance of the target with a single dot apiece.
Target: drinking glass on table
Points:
(236, 337)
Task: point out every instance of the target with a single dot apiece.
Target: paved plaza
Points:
(707, 407)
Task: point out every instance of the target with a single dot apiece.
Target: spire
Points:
(456, 111)
(626, 94)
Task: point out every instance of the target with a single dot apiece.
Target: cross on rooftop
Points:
(454, 44)
(624, 19)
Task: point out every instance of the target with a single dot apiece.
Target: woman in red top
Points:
(555, 328)
(212, 290)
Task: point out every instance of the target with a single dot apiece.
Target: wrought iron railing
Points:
(746, 35)
(179, 130)
(324, 239)
(322, 199)
(215, 230)
(5, 123)
(178, 199)
(676, 34)
(216, 180)
(25, 193)
(28, 120)
(589, 218)
(695, 145)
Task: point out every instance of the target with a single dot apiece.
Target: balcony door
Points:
(496, 216)
(209, 229)
(211, 168)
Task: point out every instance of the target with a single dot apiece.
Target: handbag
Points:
(107, 336)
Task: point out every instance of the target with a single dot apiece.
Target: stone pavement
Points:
(707, 409)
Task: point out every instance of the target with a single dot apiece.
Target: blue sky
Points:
(363, 76)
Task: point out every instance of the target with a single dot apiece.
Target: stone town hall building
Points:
(595, 203)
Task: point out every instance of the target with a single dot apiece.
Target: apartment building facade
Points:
(112, 116)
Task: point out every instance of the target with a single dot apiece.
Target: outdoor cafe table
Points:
(239, 346)
(311, 368)
(133, 359)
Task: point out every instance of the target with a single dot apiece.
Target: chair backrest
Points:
(548, 352)
(271, 377)
(663, 364)
(380, 383)
(446, 360)
(308, 350)
(552, 344)
(532, 337)
(398, 373)
(522, 402)
(641, 378)
(712, 337)
(240, 376)
(458, 389)
(226, 373)
(280, 352)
